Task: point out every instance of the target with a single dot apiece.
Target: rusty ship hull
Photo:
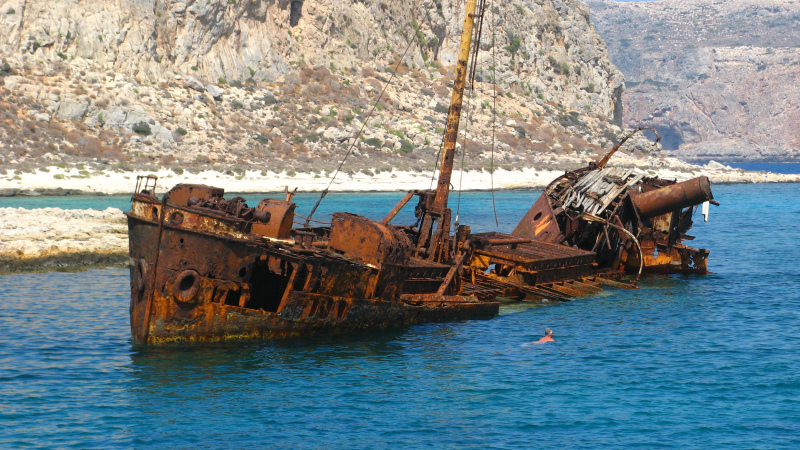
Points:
(200, 275)
(632, 222)
(207, 268)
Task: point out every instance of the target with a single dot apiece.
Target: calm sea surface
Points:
(684, 362)
(769, 167)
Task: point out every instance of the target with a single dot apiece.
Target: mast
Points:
(439, 213)
(454, 115)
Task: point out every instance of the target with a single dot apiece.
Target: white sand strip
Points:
(254, 181)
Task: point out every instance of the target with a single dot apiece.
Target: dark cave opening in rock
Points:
(295, 12)
(671, 138)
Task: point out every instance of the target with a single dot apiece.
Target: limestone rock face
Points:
(286, 85)
(549, 45)
(718, 79)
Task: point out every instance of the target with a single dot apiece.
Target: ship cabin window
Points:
(232, 297)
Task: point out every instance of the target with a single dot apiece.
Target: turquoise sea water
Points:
(684, 362)
(769, 167)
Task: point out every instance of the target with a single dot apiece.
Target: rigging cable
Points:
(438, 155)
(470, 104)
(361, 130)
(494, 111)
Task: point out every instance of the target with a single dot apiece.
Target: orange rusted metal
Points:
(615, 213)
(666, 199)
(204, 270)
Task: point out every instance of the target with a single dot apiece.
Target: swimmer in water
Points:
(548, 336)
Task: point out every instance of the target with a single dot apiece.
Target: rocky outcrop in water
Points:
(717, 78)
(58, 239)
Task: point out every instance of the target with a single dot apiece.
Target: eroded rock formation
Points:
(717, 78)
(288, 83)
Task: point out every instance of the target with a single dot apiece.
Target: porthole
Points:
(186, 286)
(176, 218)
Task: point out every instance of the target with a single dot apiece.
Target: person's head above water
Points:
(548, 332)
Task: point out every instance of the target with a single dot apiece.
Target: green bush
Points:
(375, 142)
(441, 109)
(142, 128)
(181, 131)
(5, 69)
(269, 99)
(514, 44)
(406, 146)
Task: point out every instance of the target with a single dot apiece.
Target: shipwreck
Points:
(204, 267)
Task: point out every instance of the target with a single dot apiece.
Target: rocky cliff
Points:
(717, 78)
(286, 85)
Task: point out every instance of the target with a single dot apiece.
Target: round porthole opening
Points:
(176, 218)
(186, 285)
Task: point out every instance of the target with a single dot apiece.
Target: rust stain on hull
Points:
(206, 268)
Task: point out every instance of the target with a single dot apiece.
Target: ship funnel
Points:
(669, 198)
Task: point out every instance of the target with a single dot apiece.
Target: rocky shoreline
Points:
(58, 239)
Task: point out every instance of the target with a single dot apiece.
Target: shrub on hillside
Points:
(142, 128)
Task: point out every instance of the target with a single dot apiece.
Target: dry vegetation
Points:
(304, 122)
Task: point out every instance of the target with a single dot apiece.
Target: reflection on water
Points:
(681, 361)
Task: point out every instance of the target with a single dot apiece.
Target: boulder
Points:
(214, 91)
(195, 84)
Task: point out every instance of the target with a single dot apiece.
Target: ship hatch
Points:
(268, 284)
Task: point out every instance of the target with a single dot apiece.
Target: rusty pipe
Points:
(669, 198)
(398, 207)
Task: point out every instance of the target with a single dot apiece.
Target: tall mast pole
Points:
(454, 115)
(433, 244)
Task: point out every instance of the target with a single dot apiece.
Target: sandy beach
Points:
(111, 182)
